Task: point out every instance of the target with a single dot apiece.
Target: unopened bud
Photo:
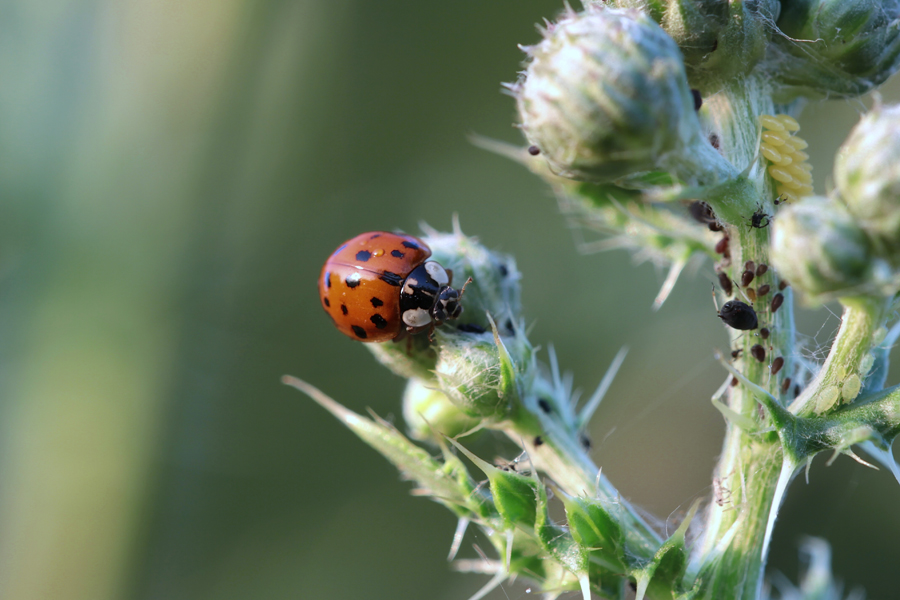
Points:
(818, 246)
(605, 95)
(428, 413)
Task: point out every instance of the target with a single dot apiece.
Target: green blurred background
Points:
(172, 176)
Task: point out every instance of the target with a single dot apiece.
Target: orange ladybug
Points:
(379, 286)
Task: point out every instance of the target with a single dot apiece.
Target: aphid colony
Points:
(784, 150)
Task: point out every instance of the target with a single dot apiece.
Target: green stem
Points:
(862, 316)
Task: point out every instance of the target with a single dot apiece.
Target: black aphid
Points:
(738, 315)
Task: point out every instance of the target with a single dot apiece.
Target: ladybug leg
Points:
(431, 333)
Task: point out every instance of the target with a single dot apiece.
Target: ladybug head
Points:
(447, 305)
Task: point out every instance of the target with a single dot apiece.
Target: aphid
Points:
(777, 364)
(734, 381)
(538, 441)
(714, 140)
(782, 284)
(761, 269)
(777, 301)
(751, 294)
(760, 219)
(746, 278)
(749, 265)
(763, 290)
(725, 284)
(379, 286)
(736, 353)
(698, 99)
(585, 442)
(783, 149)
(722, 246)
(534, 150)
(785, 385)
(738, 315)
(758, 352)
(545, 405)
(764, 333)
(702, 213)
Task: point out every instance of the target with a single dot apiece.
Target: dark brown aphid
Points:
(758, 352)
(777, 301)
(538, 441)
(746, 278)
(763, 290)
(545, 405)
(725, 284)
(534, 150)
(764, 333)
(761, 269)
(734, 381)
(749, 266)
(782, 284)
(785, 385)
(702, 212)
(738, 315)
(736, 353)
(714, 140)
(777, 364)
(698, 99)
(722, 245)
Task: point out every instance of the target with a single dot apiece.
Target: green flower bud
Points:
(719, 40)
(867, 175)
(474, 377)
(605, 96)
(818, 247)
(428, 413)
(836, 47)
(494, 290)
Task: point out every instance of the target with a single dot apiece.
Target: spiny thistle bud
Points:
(818, 247)
(837, 47)
(429, 413)
(867, 174)
(494, 290)
(719, 40)
(605, 95)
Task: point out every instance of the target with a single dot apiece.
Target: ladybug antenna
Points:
(463, 288)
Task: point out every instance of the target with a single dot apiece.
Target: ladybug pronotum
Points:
(379, 286)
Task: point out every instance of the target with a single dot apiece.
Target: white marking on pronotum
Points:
(408, 286)
(437, 272)
(418, 317)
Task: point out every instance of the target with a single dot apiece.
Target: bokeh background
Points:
(173, 174)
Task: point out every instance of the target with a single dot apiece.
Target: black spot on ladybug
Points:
(397, 254)
(376, 302)
(585, 442)
(538, 441)
(534, 150)
(503, 270)
(738, 315)
(328, 279)
(344, 309)
(698, 99)
(391, 278)
(359, 331)
(545, 405)
(379, 321)
(471, 328)
(363, 255)
(758, 352)
(411, 245)
(326, 302)
(352, 280)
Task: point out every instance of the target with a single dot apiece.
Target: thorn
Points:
(461, 527)
(669, 284)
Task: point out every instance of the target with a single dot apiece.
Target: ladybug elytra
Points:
(379, 286)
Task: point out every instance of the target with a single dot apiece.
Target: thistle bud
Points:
(819, 248)
(719, 40)
(605, 95)
(867, 174)
(837, 47)
(428, 413)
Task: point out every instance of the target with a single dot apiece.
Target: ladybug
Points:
(380, 286)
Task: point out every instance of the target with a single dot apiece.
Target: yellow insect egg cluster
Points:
(784, 150)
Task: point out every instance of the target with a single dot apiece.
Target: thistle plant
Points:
(671, 126)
